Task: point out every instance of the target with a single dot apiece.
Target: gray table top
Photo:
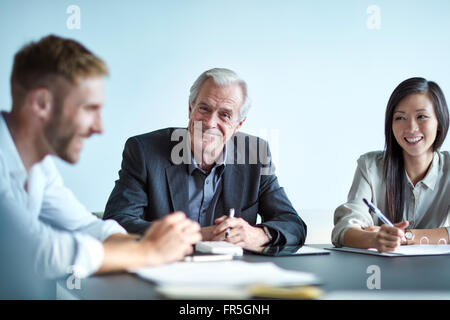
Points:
(338, 271)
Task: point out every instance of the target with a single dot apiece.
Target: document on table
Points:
(225, 273)
(404, 251)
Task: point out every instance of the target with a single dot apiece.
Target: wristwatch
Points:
(409, 235)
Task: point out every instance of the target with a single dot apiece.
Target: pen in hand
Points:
(379, 214)
(230, 215)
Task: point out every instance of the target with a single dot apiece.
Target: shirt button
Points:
(207, 181)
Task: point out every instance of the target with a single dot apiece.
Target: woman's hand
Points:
(372, 228)
(388, 238)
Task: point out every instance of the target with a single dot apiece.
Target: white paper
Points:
(218, 247)
(224, 273)
(405, 250)
(425, 249)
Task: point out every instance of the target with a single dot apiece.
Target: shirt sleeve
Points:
(61, 209)
(55, 253)
(354, 213)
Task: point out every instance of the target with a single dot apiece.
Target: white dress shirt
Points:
(66, 238)
(427, 204)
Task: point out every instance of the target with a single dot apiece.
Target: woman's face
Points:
(415, 125)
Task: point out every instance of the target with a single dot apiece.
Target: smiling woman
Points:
(409, 181)
(416, 125)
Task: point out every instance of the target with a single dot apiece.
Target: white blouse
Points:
(427, 205)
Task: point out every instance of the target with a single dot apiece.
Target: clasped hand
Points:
(240, 232)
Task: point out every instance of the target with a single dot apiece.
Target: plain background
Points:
(320, 74)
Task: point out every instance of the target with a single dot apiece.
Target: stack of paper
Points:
(225, 273)
(231, 279)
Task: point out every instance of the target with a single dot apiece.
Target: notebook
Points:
(404, 251)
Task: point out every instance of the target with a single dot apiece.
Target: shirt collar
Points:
(433, 172)
(11, 156)
(431, 177)
(193, 164)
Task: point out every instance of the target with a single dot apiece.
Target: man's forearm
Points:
(121, 253)
(120, 237)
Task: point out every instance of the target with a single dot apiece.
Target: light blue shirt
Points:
(65, 236)
(204, 190)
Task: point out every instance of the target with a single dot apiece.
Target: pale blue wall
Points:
(318, 76)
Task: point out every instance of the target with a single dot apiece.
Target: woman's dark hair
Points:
(394, 170)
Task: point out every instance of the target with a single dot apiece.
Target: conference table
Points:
(342, 275)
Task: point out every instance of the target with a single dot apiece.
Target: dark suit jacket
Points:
(151, 185)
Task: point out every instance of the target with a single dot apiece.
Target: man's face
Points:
(75, 117)
(214, 116)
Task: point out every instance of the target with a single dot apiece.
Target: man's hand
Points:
(240, 232)
(170, 238)
(208, 233)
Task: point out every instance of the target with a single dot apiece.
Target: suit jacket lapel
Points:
(232, 188)
(177, 177)
(177, 180)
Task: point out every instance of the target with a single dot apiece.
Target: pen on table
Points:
(378, 213)
(230, 215)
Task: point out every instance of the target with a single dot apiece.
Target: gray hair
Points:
(221, 77)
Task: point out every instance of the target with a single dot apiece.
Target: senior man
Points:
(213, 169)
